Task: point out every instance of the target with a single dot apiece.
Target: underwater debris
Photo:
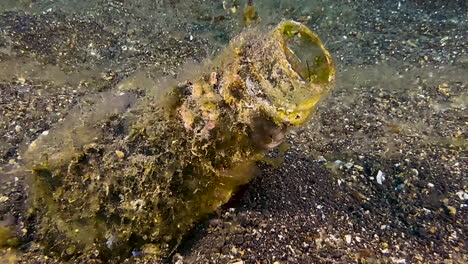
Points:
(140, 179)
(250, 15)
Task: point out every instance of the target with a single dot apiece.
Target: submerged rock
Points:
(134, 175)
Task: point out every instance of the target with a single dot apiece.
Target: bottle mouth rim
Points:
(306, 54)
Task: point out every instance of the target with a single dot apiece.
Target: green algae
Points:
(139, 176)
(6, 238)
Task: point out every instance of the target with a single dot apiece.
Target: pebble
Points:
(359, 168)
(234, 250)
(120, 154)
(380, 177)
(338, 163)
(349, 165)
(348, 239)
(462, 195)
(399, 261)
(178, 259)
(3, 199)
(321, 159)
(452, 210)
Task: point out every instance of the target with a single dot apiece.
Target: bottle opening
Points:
(306, 54)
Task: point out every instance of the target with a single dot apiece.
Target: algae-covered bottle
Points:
(137, 179)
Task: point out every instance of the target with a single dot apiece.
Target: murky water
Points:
(399, 102)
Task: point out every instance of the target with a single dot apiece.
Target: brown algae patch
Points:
(137, 177)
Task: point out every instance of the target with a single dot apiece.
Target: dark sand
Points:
(378, 176)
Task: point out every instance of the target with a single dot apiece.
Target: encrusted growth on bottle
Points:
(167, 165)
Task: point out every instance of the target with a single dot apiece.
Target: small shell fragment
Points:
(120, 154)
(380, 177)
